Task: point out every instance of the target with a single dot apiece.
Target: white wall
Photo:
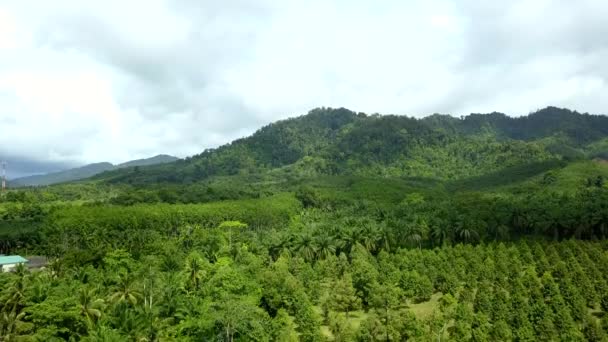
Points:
(8, 267)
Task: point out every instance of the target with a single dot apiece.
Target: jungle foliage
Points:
(333, 226)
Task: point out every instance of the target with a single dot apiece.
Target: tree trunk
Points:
(386, 309)
(555, 233)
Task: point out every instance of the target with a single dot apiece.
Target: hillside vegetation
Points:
(332, 226)
(338, 141)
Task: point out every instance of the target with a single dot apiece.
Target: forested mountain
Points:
(85, 172)
(338, 141)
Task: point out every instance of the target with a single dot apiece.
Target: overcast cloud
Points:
(113, 80)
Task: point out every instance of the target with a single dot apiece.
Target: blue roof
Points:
(11, 259)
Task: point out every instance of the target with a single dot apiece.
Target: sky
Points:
(114, 80)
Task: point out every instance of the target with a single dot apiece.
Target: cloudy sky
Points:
(114, 80)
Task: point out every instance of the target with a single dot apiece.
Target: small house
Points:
(9, 262)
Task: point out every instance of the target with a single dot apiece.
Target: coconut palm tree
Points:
(21, 271)
(195, 271)
(90, 307)
(133, 323)
(104, 334)
(39, 290)
(15, 294)
(56, 267)
(170, 302)
(124, 290)
(8, 325)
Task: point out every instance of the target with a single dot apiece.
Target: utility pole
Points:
(3, 176)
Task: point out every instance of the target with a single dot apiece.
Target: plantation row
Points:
(526, 291)
(224, 284)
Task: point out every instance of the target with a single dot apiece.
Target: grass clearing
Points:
(425, 309)
(356, 318)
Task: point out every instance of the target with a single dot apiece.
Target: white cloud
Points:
(7, 31)
(113, 80)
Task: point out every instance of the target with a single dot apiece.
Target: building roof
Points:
(11, 259)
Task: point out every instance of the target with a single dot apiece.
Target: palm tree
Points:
(186, 234)
(124, 291)
(304, 245)
(8, 324)
(90, 307)
(194, 271)
(325, 245)
(170, 303)
(441, 233)
(370, 234)
(467, 233)
(415, 232)
(413, 237)
(520, 220)
(56, 267)
(500, 231)
(133, 323)
(171, 262)
(385, 239)
(281, 247)
(40, 287)
(16, 291)
(81, 274)
(5, 246)
(103, 334)
(349, 238)
(21, 271)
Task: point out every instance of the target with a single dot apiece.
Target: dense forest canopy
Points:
(332, 226)
(339, 141)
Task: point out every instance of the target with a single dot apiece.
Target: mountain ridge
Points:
(341, 141)
(86, 171)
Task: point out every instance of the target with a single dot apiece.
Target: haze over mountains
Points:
(86, 171)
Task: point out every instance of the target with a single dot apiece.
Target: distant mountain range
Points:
(86, 171)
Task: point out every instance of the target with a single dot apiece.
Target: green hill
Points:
(341, 142)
